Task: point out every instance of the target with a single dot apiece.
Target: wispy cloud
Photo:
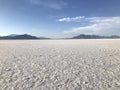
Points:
(54, 4)
(98, 25)
(72, 19)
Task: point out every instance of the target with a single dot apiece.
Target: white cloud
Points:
(54, 4)
(72, 19)
(98, 25)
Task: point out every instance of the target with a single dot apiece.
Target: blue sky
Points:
(60, 18)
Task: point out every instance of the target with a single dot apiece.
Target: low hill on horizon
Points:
(23, 36)
(83, 36)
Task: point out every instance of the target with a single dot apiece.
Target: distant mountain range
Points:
(83, 36)
(24, 36)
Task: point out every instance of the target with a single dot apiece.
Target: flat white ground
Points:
(60, 64)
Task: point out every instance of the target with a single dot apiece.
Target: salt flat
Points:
(60, 64)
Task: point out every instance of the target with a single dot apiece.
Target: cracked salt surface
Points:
(60, 65)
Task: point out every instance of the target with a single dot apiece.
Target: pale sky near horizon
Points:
(60, 18)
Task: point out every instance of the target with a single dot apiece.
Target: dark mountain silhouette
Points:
(24, 36)
(114, 36)
(83, 36)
